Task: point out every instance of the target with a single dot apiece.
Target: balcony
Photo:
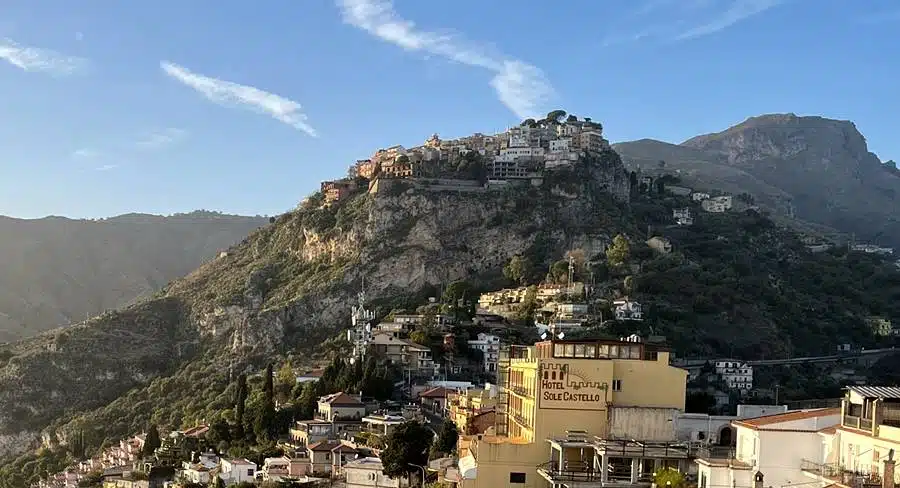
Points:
(519, 390)
(715, 452)
(837, 473)
(857, 422)
(569, 472)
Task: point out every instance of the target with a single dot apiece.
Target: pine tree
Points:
(264, 425)
(152, 442)
(240, 403)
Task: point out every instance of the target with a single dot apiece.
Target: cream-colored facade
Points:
(860, 448)
(462, 407)
(585, 413)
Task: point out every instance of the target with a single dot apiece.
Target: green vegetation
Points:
(406, 447)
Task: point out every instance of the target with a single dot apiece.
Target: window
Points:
(518, 478)
(250, 472)
(617, 385)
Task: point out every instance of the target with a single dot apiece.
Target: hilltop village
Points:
(557, 379)
(520, 155)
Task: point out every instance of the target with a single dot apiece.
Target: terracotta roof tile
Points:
(778, 418)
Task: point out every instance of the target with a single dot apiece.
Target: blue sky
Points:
(171, 105)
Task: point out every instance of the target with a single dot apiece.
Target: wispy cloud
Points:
(523, 88)
(161, 138)
(106, 167)
(84, 153)
(736, 12)
(231, 94)
(680, 20)
(38, 59)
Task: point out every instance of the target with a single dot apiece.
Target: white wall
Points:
(781, 454)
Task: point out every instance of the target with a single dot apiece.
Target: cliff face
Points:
(289, 286)
(812, 168)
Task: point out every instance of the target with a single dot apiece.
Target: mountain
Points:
(734, 284)
(57, 271)
(811, 169)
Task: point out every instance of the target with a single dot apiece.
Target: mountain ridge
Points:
(56, 271)
(809, 168)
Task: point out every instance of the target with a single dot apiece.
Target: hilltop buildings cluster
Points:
(520, 153)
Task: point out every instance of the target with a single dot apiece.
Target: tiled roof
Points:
(778, 418)
(327, 445)
(436, 392)
(880, 392)
(341, 399)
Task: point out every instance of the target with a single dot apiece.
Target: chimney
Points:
(887, 477)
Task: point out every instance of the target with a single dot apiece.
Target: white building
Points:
(699, 197)
(717, 204)
(683, 216)
(771, 449)
(369, 473)
(235, 471)
(626, 309)
(489, 345)
(736, 374)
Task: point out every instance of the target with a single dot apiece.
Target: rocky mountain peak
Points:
(824, 144)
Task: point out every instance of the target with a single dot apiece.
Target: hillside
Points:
(736, 284)
(57, 271)
(286, 288)
(814, 169)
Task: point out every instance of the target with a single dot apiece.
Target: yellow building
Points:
(580, 413)
(464, 406)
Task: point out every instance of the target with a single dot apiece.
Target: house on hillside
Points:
(626, 309)
(660, 244)
(683, 216)
(339, 406)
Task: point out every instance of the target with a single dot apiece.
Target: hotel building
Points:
(579, 413)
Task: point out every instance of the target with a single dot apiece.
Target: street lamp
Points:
(423, 472)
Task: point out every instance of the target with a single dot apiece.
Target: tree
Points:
(286, 381)
(240, 403)
(217, 483)
(559, 272)
(618, 253)
(555, 115)
(264, 423)
(218, 432)
(152, 441)
(518, 269)
(528, 123)
(446, 440)
(633, 179)
(668, 478)
(628, 285)
(571, 118)
(408, 444)
(419, 336)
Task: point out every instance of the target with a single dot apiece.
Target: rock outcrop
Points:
(810, 168)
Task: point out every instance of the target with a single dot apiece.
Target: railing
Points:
(571, 471)
(840, 474)
(716, 452)
(519, 390)
(851, 421)
(865, 424)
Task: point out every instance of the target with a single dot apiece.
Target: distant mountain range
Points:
(57, 271)
(812, 169)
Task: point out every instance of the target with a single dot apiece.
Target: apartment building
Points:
(489, 345)
(464, 407)
(580, 413)
(683, 216)
(737, 374)
(717, 204)
(413, 357)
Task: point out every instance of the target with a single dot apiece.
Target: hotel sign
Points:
(566, 389)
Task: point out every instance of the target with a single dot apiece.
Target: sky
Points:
(111, 107)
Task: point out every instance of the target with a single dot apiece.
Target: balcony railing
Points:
(857, 422)
(840, 474)
(571, 472)
(716, 452)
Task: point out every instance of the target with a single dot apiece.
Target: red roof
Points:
(436, 392)
(324, 445)
(756, 423)
(341, 399)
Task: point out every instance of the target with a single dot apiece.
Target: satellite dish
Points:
(561, 335)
